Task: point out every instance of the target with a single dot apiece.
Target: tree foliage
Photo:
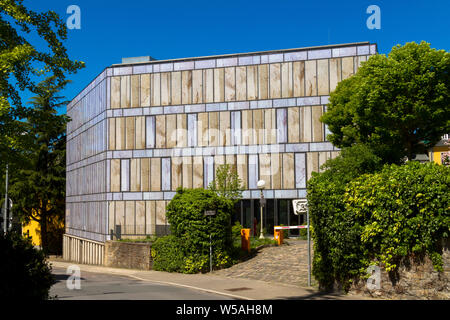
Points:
(38, 188)
(23, 62)
(227, 183)
(398, 104)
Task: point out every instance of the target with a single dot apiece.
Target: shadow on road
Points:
(63, 277)
(313, 295)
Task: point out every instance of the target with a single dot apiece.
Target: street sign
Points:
(7, 218)
(10, 204)
(300, 206)
(210, 212)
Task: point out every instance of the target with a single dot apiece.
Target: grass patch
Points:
(239, 255)
(147, 239)
(256, 242)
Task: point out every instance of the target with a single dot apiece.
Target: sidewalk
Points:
(246, 289)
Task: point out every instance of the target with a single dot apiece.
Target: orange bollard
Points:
(278, 235)
(245, 239)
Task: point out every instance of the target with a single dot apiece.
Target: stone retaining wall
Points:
(128, 255)
(415, 279)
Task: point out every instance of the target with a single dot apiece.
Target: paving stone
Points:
(286, 264)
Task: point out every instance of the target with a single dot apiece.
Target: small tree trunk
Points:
(409, 151)
(44, 233)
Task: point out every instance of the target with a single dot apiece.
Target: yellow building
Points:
(440, 153)
(33, 229)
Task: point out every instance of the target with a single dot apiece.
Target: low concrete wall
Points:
(129, 255)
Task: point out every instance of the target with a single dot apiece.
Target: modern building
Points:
(143, 128)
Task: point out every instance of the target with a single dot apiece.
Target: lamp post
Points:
(261, 185)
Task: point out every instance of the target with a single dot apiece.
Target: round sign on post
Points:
(301, 207)
(7, 217)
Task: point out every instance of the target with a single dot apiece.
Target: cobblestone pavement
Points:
(287, 264)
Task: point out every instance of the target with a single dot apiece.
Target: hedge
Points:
(168, 254)
(190, 231)
(403, 210)
(377, 218)
(336, 240)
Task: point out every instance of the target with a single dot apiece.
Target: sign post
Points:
(301, 207)
(8, 218)
(210, 213)
(5, 218)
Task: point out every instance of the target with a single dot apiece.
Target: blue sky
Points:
(170, 29)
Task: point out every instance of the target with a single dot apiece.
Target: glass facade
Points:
(276, 212)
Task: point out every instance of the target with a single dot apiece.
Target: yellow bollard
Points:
(245, 239)
(278, 235)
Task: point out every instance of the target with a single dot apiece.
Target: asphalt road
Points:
(99, 286)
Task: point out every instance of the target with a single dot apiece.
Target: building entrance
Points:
(276, 212)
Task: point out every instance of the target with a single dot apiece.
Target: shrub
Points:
(285, 232)
(303, 234)
(336, 245)
(168, 254)
(185, 213)
(377, 218)
(236, 231)
(402, 211)
(25, 272)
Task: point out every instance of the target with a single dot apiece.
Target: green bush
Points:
(402, 211)
(303, 233)
(336, 245)
(168, 254)
(25, 272)
(185, 213)
(236, 231)
(361, 219)
(285, 232)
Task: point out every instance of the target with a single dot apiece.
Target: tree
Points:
(22, 64)
(398, 105)
(227, 183)
(38, 189)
